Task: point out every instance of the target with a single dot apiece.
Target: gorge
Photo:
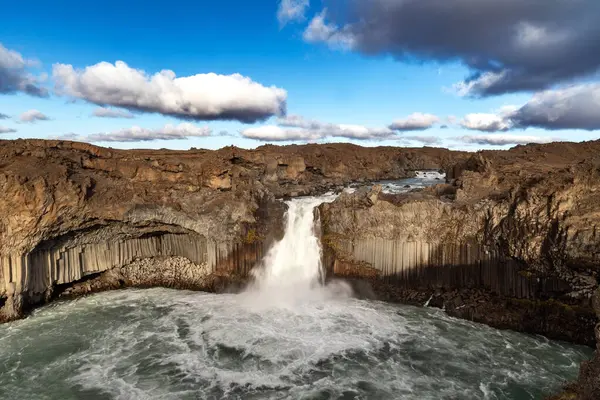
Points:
(509, 239)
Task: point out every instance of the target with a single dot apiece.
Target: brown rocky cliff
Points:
(512, 241)
(72, 210)
(515, 230)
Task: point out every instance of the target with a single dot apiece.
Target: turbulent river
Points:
(163, 344)
(286, 337)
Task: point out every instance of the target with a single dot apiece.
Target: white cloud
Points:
(138, 134)
(4, 116)
(272, 133)
(7, 130)
(503, 139)
(297, 121)
(33, 116)
(485, 122)
(103, 112)
(573, 107)
(480, 84)
(415, 122)
(320, 31)
(291, 10)
(198, 97)
(14, 76)
(507, 111)
(361, 132)
(425, 140)
(295, 127)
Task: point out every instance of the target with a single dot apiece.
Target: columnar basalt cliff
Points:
(512, 241)
(74, 214)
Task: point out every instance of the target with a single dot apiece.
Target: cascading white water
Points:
(294, 263)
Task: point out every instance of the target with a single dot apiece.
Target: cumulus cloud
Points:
(198, 97)
(323, 130)
(321, 31)
(33, 116)
(503, 139)
(138, 134)
(272, 133)
(509, 45)
(574, 107)
(485, 122)
(7, 130)
(14, 75)
(103, 112)
(294, 127)
(425, 140)
(4, 116)
(297, 121)
(415, 122)
(291, 10)
(360, 132)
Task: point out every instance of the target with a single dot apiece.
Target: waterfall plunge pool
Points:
(165, 344)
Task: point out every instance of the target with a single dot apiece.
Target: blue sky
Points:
(323, 82)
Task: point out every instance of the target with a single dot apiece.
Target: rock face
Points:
(512, 241)
(71, 212)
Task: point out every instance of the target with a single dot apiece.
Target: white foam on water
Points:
(164, 344)
(421, 180)
(430, 175)
(428, 301)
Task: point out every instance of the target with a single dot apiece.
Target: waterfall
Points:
(295, 262)
(292, 270)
